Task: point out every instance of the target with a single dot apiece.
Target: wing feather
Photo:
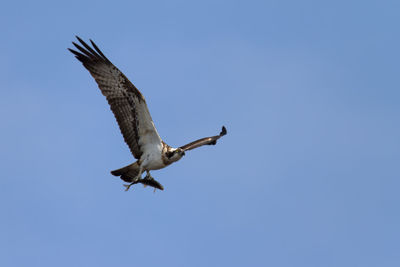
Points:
(212, 140)
(125, 100)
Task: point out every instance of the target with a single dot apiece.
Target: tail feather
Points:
(127, 173)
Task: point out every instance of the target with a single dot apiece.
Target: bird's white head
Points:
(174, 154)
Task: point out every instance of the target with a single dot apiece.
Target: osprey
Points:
(134, 120)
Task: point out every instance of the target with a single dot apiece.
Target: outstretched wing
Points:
(126, 102)
(212, 140)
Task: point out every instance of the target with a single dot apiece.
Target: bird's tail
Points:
(127, 173)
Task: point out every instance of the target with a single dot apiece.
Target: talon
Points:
(127, 186)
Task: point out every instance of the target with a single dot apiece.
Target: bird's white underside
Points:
(151, 158)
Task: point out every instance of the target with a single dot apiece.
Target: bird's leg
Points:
(134, 180)
(127, 186)
(148, 176)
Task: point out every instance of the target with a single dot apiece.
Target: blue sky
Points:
(308, 174)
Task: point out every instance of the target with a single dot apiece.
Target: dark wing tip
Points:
(223, 132)
(72, 51)
(79, 56)
(87, 54)
(98, 50)
(79, 39)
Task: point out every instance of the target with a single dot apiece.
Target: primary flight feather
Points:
(134, 119)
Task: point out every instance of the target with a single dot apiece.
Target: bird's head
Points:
(175, 154)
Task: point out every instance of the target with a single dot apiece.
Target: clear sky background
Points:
(308, 174)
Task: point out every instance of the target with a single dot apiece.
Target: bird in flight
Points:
(134, 119)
